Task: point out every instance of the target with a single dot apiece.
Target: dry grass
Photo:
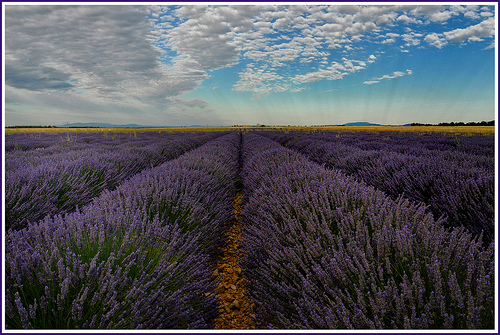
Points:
(421, 129)
(9, 131)
(417, 129)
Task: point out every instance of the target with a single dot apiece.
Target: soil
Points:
(237, 307)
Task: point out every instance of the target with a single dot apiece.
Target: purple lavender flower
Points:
(326, 251)
(56, 180)
(136, 257)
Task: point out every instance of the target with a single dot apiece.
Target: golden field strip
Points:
(9, 131)
(415, 129)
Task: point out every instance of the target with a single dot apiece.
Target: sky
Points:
(258, 63)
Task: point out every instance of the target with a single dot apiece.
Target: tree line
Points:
(457, 124)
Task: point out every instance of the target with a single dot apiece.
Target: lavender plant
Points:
(327, 252)
(93, 270)
(455, 185)
(29, 141)
(136, 257)
(58, 183)
(197, 188)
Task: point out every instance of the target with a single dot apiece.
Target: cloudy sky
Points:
(248, 64)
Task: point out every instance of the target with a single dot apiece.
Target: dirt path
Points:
(237, 305)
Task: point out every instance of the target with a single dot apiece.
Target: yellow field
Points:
(415, 129)
(110, 130)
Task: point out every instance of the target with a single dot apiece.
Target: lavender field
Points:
(340, 230)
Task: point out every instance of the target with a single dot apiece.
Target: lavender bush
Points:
(136, 257)
(74, 140)
(325, 251)
(30, 141)
(197, 189)
(455, 185)
(155, 147)
(58, 183)
(93, 270)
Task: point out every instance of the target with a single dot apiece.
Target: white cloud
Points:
(377, 14)
(392, 35)
(411, 38)
(487, 14)
(260, 81)
(475, 39)
(266, 79)
(437, 40)
(335, 71)
(440, 16)
(255, 54)
(101, 53)
(433, 13)
(491, 46)
(389, 40)
(336, 89)
(358, 28)
(207, 31)
(395, 74)
(405, 19)
(472, 15)
(473, 33)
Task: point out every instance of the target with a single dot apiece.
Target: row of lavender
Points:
(147, 144)
(55, 180)
(403, 142)
(453, 175)
(31, 141)
(325, 251)
(136, 257)
(406, 142)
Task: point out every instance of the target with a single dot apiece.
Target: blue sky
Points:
(247, 64)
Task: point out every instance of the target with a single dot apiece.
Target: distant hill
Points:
(99, 125)
(361, 124)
